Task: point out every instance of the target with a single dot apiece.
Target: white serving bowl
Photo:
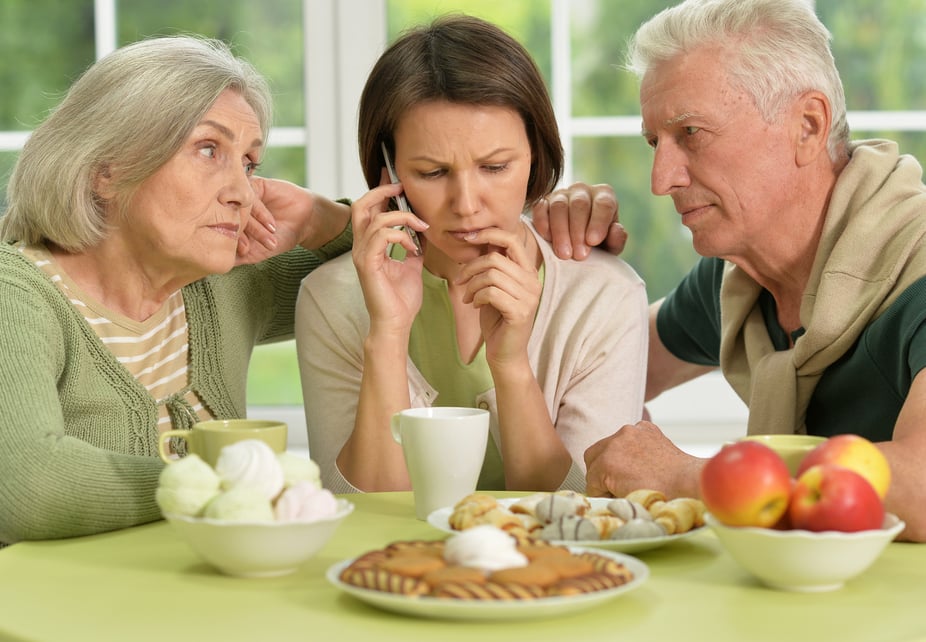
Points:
(257, 549)
(799, 560)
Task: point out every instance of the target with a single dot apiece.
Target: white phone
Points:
(400, 199)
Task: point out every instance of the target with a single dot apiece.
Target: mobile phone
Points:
(400, 199)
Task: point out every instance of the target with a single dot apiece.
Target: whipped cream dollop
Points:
(251, 463)
(485, 547)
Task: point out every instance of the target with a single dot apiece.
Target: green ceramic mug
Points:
(207, 438)
(792, 448)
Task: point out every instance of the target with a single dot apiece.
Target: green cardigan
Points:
(78, 434)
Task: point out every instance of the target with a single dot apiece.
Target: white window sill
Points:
(699, 416)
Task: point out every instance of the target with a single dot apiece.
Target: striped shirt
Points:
(155, 351)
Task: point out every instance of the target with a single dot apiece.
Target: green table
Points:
(142, 584)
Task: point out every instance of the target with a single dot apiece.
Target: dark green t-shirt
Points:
(861, 393)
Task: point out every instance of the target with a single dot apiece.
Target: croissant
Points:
(627, 509)
(560, 504)
(469, 511)
(570, 527)
(646, 497)
(678, 515)
(606, 524)
(699, 509)
(639, 528)
(528, 505)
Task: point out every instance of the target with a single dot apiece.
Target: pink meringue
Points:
(305, 502)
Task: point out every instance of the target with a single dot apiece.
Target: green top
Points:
(861, 393)
(78, 435)
(434, 350)
(433, 347)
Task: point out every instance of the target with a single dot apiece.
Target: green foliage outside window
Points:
(880, 48)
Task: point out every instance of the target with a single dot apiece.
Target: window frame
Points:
(342, 40)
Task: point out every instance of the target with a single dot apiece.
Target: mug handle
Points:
(394, 427)
(164, 437)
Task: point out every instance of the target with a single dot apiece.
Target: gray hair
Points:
(777, 49)
(130, 112)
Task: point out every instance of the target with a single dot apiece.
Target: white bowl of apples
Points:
(811, 532)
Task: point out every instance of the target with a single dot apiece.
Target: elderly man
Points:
(811, 293)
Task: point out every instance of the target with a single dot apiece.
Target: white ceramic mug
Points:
(444, 449)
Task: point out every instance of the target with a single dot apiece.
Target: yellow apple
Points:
(855, 453)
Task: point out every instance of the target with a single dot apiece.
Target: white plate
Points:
(440, 519)
(450, 608)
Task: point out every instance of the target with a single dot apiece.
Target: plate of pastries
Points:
(485, 573)
(644, 519)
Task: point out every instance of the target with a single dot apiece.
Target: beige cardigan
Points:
(587, 348)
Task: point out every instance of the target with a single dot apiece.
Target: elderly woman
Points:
(123, 312)
(486, 315)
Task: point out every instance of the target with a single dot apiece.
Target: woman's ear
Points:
(103, 184)
(813, 118)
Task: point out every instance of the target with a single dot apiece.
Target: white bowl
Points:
(799, 560)
(257, 549)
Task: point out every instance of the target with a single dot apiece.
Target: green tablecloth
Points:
(143, 584)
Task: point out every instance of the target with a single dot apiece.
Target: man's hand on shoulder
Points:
(577, 218)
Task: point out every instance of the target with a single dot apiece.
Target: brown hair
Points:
(463, 60)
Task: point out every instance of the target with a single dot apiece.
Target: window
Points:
(316, 54)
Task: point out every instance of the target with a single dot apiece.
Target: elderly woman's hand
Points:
(285, 215)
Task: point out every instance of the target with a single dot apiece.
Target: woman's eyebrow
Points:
(229, 134)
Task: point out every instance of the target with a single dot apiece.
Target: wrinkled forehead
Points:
(688, 83)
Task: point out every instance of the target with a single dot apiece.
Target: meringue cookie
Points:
(186, 486)
(240, 504)
(250, 463)
(305, 502)
(296, 469)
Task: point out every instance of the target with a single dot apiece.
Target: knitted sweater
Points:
(78, 434)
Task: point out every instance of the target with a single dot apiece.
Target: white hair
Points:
(776, 50)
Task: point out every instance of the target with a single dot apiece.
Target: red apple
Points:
(828, 497)
(855, 453)
(746, 484)
(784, 522)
